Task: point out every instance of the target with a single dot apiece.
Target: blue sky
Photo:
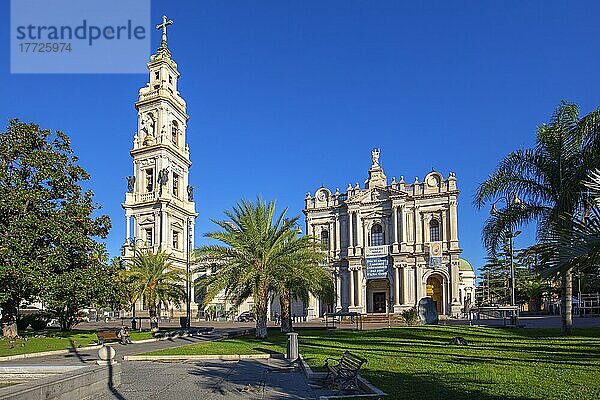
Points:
(286, 96)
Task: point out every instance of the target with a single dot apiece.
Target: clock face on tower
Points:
(322, 195)
(436, 249)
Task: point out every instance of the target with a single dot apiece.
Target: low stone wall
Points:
(77, 384)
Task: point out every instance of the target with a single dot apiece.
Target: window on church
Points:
(175, 239)
(377, 238)
(325, 238)
(175, 132)
(434, 230)
(157, 75)
(149, 238)
(149, 180)
(170, 79)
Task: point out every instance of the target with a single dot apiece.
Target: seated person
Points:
(124, 337)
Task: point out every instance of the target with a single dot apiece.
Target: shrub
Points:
(411, 316)
(38, 322)
(23, 322)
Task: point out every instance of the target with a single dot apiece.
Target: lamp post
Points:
(132, 245)
(516, 201)
(188, 281)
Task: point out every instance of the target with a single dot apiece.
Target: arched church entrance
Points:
(435, 291)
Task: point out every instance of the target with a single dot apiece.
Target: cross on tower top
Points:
(165, 22)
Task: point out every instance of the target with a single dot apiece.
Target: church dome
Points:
(464, 265)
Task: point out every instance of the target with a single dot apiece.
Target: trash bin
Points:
(133, 324)
(292, 346)
(183, 322)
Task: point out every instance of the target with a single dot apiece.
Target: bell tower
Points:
(159, 204)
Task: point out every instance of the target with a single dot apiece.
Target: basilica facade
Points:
(391, 244)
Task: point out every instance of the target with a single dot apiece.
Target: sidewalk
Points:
(79, 357)
(250, 379)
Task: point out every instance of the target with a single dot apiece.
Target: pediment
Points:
(148, 219)
(374, 195)
(177, 224)
(377, 214)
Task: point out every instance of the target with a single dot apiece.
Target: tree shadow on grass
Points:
(426, 386)
(265, 350)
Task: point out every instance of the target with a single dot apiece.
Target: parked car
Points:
(246, 316)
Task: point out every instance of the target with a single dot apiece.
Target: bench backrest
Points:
(107, 334)
(351, 362)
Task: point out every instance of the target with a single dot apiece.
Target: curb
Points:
(49, 353)
(230, 357)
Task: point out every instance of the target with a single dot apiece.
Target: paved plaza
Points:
(253, 379)
(249, 379)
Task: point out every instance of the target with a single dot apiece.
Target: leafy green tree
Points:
(302, 273)
(151, 277)
(68, 292)
(256, 245)
(46, 223)
(549, 178)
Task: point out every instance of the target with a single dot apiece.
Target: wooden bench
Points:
(344, 373)
(108, 336)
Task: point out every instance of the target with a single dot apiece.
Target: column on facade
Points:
(128, 234)
(405, 286)
(418, 282)
(406, 226)
(352, 287)
(453, 222)
(350, 231)
(331, 236)
(339, 289)
(338, 234)
(359, 236)
(395, 211)
(444, 228)
(418, 225)
(361, 288)
(397, 286)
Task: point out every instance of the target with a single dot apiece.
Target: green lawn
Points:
(417, 362)
(54, 340)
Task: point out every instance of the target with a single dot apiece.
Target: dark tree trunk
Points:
(285, 300)
(153, 313)
(261, 313)
(567, 303)
(9, 321)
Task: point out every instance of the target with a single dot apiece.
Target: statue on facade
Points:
(148, 126)
(375, 156)
(130, 183)
(190, 193)
(163, 176)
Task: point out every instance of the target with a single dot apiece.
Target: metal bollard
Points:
(292, 346)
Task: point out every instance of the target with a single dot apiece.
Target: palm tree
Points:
(577, 245)
(302, 273)
(152, 278)
(549, 178)
(256, 247)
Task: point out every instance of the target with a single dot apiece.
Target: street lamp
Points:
(188, 281)
(133, 244)
(516, 201)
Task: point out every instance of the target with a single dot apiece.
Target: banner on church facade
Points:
(377, 267)
(435, 254)
(377, 262)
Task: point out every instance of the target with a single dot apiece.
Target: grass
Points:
(54, 340)
(418, 363)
